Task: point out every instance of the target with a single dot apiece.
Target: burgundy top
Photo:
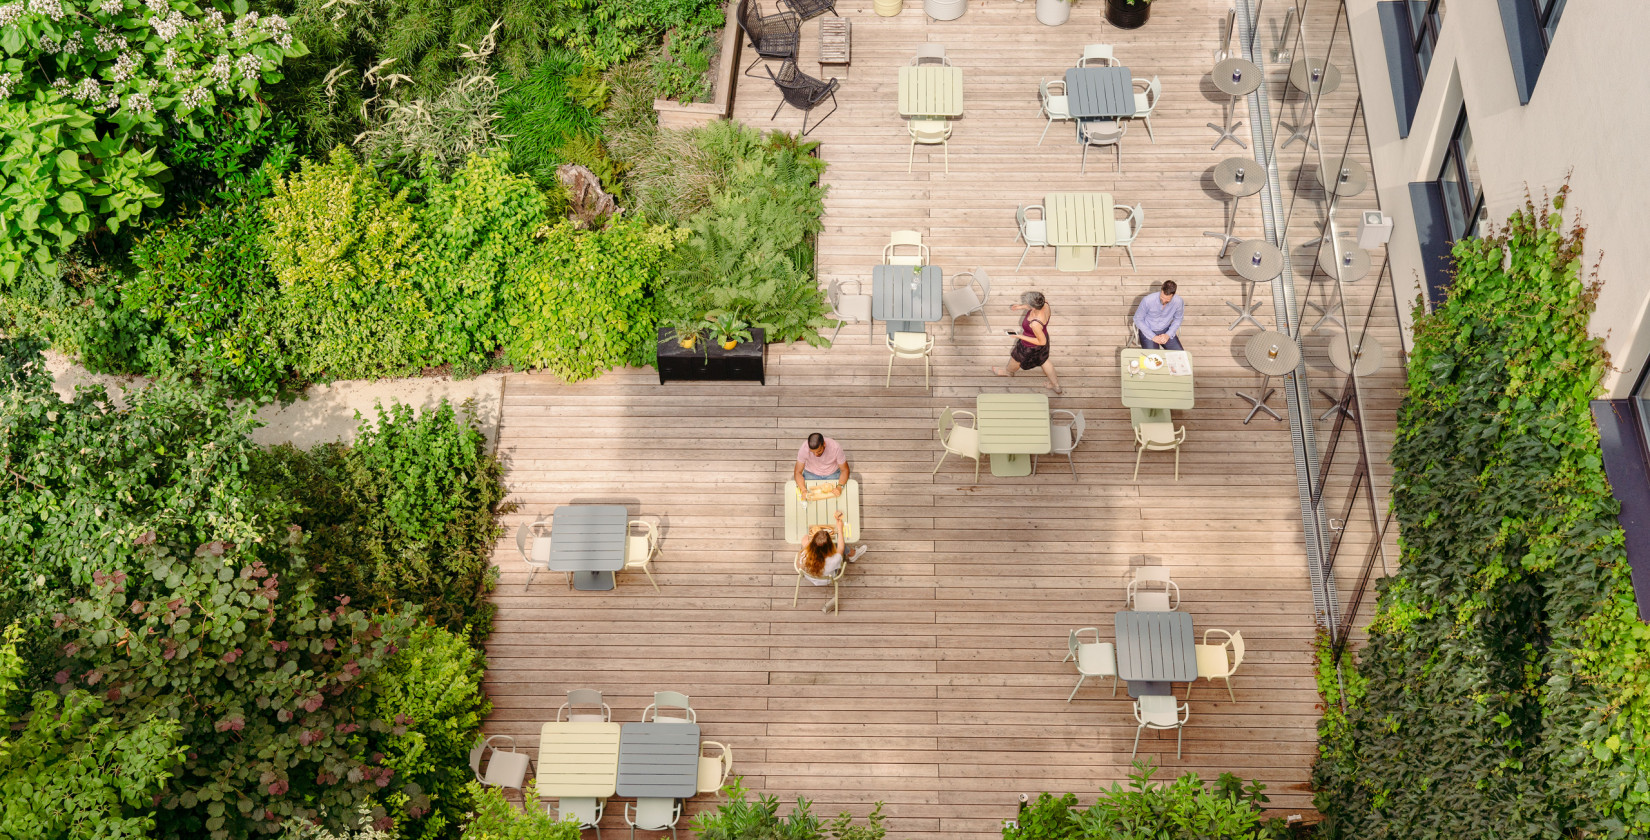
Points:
(1025, 329)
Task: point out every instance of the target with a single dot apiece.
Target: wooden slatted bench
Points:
(833, 45)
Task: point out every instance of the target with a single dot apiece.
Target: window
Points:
(1459, 183)
(1426, 19)
(1546, 16)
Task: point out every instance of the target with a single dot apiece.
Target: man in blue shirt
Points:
(1158, 319)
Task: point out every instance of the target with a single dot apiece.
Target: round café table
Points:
(1234, 77)
(1346, 270)
(1270, 353)
(1350, 180)
(1314, 78)
(1369, 356)
(1255, 261)
(1238, 177)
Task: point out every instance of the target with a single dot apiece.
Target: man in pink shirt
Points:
(820, 459)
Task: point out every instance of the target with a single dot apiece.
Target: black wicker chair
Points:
(772, 36)
(810, 9)
(803, 92)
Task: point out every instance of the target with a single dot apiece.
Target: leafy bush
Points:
(431, 690)
(88, 87)
(579, 303)
(1506, 681)
(1184, 809)
(541, 113)
(608, 32)
(738, 818)
(228, 153)
(497, 819)
(403, 517)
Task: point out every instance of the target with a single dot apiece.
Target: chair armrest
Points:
(963, 411)
(1206, 633)
(1066, 412)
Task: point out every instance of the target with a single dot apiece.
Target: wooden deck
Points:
(940, 689)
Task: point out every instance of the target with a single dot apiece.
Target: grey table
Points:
(1238, 177)
(1314, 78)
(1370, 356)
(1349, 180)
(1270, 353)
(1234, 77)
(1100, 92)
(659, 760)
(1155, 649)
(903, 309)
(589, 541)
(1348, 271)
(1256, 261)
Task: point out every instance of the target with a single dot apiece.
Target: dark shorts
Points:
(1029, 355)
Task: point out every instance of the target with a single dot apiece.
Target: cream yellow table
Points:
(1156, 389)
(821, 511)
(1079, 224)
(1012, 427)
(930, 91)
(578, 759)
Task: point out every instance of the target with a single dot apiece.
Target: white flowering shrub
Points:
(87, 90)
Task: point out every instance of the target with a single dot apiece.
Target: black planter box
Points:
(1124, 15)
(707, 360)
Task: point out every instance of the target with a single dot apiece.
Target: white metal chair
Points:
(652, 813)
(957, 439)
(505, 767)
(1128, 228)
(585, 697)
(1219, 662)
(845, 307)
(587, 811)
(1094, 659)
(1102, 133)
(1137, 598)
(669, 700)
(905, 239)
(1055, 105)
(539, 557)
(909, 345)
(640, 549)
(1158, 437)
(1033, 231)
(929, 133)
(1145, 101)
(832, 606)
(930, 54)
(1160, 711)
(1097, 55)
(961, 301)
(1064, 437)
(714, 769)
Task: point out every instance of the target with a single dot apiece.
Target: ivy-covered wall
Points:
(1502, 692)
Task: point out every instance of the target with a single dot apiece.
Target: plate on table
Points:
(822, 491)
(1152, 361)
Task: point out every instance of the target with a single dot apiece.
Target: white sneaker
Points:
(857, 552)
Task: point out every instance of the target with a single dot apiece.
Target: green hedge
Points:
(1503, 690)
(1184, 809)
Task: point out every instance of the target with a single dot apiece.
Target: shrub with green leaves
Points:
(580, 302)
(737, 817)
(1185, 809)
(497, 818)
(543, 110)
(88, 87)
(607, 32)
(1506, 680)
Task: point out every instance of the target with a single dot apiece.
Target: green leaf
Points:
(71, 202)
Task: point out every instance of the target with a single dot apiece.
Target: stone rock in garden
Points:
(591, 206)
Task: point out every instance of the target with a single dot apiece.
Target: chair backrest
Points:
(1077, 427)
(1049, 90)
(930, 54)
(1137, 218)
(905, 237)
(584, 810)
(669, 700)
(1020, 218)
(929, 131)
(1104, 132)
(477, 752)
(522, 533)
(984, 281)
(1237, 648)
(585, 697)
(1100, 54)
(833, 294)
(1156, 436)
(1151, 573)
(714, 769)
(1073, 641)
(1153, 90)
(655, 813)
(1157, 710)
(948, 418)
(909, 345)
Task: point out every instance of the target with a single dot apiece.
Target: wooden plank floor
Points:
(939, 689)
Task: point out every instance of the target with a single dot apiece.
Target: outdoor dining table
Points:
(1155, 649)
(659, 760)
(821, 511)
(589, 541)
(930, 91)
(578, 759)
(1078, 223)
(1100, 92)
(1012, 427)
(1156, 389)
(903, 308)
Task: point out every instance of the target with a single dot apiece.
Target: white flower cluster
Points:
(249, 65)
(10, 12)
(124, 65)
(107, 41)
(50, 8)
(111, 7)
(88, 90)
(212, 20)
(244, 25)
(60, 84)
(169, 25)
(169, 59)
(193, 98)
(279, 31)
(159, 7)
(220, 72)
(140, 103)
(112, 103)
(6, 81)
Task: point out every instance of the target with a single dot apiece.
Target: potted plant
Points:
(730, 329)
(1128, 14)
(1053, 12)
(687, 330)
